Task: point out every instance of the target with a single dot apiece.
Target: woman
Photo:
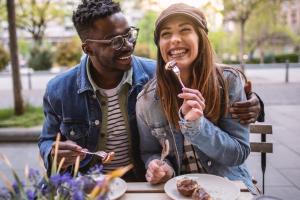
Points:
(203, 137)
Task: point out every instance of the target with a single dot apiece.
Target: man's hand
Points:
(158, 172)
(68, 150)
(246, 111)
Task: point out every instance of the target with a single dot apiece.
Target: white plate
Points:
(116, 188)
(218, 187)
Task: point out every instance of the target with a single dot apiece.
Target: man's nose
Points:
(127, 44)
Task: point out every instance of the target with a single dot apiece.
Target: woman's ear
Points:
(86, 49)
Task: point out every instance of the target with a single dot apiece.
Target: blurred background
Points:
(261, 36)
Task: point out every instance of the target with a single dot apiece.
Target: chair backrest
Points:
(263, 130)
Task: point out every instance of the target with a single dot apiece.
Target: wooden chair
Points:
(263, 147)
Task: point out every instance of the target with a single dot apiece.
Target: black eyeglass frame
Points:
(111, 41)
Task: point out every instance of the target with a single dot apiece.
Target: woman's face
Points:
(179, 41)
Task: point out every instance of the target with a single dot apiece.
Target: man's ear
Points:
(86, 49)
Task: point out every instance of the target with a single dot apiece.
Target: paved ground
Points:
(282, 111)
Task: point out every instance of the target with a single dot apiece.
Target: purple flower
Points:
(88, 183)
(34, 175)
(30, 194)
(55, 180)
(65, 178)
(97, 169)
(78, 195)
(16, 187)
(5, 194)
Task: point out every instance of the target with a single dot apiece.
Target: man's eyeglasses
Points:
(118, 41)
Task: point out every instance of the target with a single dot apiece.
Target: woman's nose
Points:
(175, 39)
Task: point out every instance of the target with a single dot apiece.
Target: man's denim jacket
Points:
(71, 108)
(222, 149)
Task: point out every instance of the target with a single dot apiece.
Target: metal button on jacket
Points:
(72, 133)
(209, 163)
(94, 96)
(97, 122)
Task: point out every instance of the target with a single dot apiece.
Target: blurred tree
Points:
(239, 11)
(17, 85)
(224, 43)
(266, 29)
(68, 53)
(4, 57)
(41, 58)
(3, 14)
(145, 40)
(259, 22)
(34, 16)
(24, 47)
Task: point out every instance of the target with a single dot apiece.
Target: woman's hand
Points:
(193, 104)
(158, 172)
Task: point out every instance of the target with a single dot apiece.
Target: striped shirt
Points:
(117, 137)
(190, 161)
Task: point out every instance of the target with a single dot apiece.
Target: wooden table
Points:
(146, 191)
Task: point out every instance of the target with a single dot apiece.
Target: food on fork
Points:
(200, 194)
(171, 65)
(109, 157)
(186, 186)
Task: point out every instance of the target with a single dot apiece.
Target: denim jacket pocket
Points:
(76, 132)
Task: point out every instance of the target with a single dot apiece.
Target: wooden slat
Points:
(138, 187)
(163, 196)
(261, 128)
(261, 147)
(145, 196)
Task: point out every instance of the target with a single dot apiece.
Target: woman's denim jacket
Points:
(222, 149)
(71, 108)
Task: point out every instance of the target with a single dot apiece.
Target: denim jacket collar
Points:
(140, 77)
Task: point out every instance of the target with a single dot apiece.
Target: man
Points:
(93, 104)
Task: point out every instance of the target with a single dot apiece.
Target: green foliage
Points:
(143, 50)
(265, 28)
(145, 43)
(33, 116)
(24, 47)
(41, 58)
(292, 58)
(68, 53)
(4, 57)
(224, 42)
(3, 14)
(33, 16)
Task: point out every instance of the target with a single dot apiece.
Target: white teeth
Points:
(177, 51)
(124, 58)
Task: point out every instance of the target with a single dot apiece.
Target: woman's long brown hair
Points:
(206, 77)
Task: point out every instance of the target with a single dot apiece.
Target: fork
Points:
(101, 154)
(172, 66)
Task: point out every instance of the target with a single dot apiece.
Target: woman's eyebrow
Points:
(185, 23)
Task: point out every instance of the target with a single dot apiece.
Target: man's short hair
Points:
(89, 11)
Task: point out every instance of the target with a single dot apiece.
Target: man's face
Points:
(107, 58)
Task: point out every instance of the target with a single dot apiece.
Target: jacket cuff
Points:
(190, 127)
